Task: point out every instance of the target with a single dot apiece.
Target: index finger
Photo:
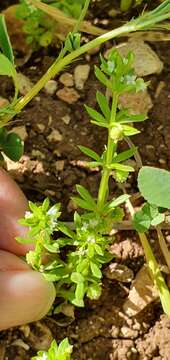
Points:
(13, 205)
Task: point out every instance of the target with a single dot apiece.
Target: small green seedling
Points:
(10, 143)
(39, 27)
(56, 352)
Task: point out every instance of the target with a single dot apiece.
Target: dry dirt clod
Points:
(128, 333)
(55, 136)
(21, 131)
(69, 95)
(119, 272)
(66, 119)
(67, 79)
(37, 154)
(21, 343)
(81, 74)
(138, 103)
(51, 87)
(141, 294)
(3, 102)
(24, 83)
(40, 127)
(59, 165)
(40, 337)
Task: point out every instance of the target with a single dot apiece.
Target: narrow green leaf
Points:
(120, 200)
(105, 125)
(65, 230)
(121, 167)
(45, 204)
(85, 195)
(102, 78)
(90, 153)
(154, 185)
(23, 240)
(64, 348)
(95, 115)
(129, 130)
(94, 164)
(83, 204)
(79, 293)
(98, 249)
(6, 67)
(77, 277)
(125, 155)
(133, 118)
(104, 105)
(5, 43)
(95, 270)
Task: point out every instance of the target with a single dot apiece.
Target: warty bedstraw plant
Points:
(65, 259)
(74, 260)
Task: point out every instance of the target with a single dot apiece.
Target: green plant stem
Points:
(162, 242)
(153, 267)
(59, 65)
(82, 16)
(103, 188)
(143, 22)
(163, 246)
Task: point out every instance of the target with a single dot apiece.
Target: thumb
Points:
(25, 296)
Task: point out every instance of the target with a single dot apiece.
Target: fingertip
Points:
(24, 297)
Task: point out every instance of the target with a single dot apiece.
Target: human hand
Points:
(25, 296)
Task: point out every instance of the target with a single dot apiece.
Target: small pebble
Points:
(67, 79)
(55, 136)
(81, 74)
(51, 87)
(66, 119)
(69, 95)
(59, 165)
(24, 83)
(3, 102)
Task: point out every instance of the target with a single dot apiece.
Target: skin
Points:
(25, 296)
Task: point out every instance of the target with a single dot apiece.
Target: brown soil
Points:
(100, 331)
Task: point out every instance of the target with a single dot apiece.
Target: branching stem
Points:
(103, 188)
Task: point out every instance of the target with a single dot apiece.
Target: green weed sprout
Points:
(56, 352)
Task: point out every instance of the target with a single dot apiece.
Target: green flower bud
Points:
(116, 132)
